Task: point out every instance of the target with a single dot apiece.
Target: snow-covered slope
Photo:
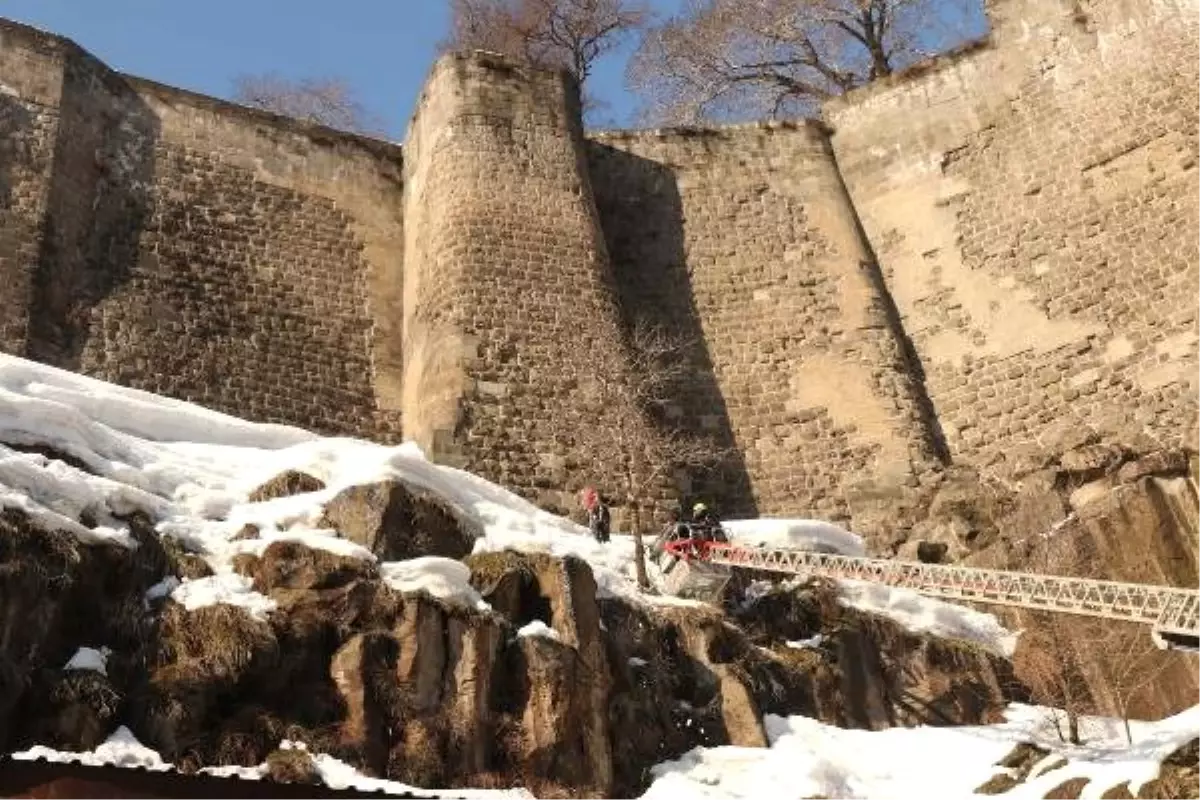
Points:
(193, 469)
(810, 759)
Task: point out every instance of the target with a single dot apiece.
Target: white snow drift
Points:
(809, 759)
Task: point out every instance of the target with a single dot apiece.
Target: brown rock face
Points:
(1144, 532)
(432, 694)
(286, 484)
(396, 521)
(55, 595)
(865, 671)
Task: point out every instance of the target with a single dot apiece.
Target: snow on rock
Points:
(90, 659)
(193, 469)
(121, 749)
(807, 758)
(340, 775)
(928, 615)
(234, 771)
(163, 588)
(796, 534)
(226, 587)
(806, 644)
(443, 578)
(539, 628)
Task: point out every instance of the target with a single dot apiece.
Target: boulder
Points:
(1093, 460)
(1160, 462)
(286, 484)
(293, 765)
(55, 593)
(70, 710)
(396, 521)
(291, 565)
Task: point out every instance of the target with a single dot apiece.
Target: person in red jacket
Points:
(599, 519)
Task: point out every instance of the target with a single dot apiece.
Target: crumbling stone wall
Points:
(744, 238)
(189, 247)
(1034, 206)
(509, 301)
(31, 66)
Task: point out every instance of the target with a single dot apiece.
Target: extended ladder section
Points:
(1173, 614)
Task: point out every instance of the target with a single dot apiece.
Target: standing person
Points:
(599, 520)
(706, 520)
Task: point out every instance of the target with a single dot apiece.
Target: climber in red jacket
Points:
(599, 519)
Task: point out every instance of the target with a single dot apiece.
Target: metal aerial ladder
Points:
(1173, 613)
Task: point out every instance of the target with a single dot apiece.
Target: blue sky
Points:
(384, 48)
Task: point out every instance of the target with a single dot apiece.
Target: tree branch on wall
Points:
(550, 34)
(635, 387)
(738, 59)
(325, 101)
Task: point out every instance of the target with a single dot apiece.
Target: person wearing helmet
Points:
(599, 519)
(707, 524)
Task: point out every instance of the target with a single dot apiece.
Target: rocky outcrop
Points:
(1073, 505)
(57, 594)
(552, 688)
(865, 671)
(1177, 777)
(395, 521)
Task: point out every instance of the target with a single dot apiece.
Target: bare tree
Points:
(1130, 664)
(326, 101)
(637, 387)
(1078, 665)
(731, 59)
(1049, 659)
(552, 34)
(1046, 663)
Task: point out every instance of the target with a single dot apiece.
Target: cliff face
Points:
(1079, 507)
(546, 686)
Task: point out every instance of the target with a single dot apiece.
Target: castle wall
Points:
(31, 66)
(1034, 207)
(744, 238)
(204, 251)
(509, 305)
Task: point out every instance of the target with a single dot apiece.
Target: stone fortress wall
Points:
(957, 265)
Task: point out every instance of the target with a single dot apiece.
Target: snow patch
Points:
(927, 615)
(807, 758)
(163, 588)
(807, 644)
(539, 628)
(234, 771)
(814, 535)
(339, 775)
(121, 749)
(226, 587)
(90, 659)
(443, 578)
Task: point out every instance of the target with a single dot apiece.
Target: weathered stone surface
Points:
(286, 484)
(1001, 234)
(396, 521)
